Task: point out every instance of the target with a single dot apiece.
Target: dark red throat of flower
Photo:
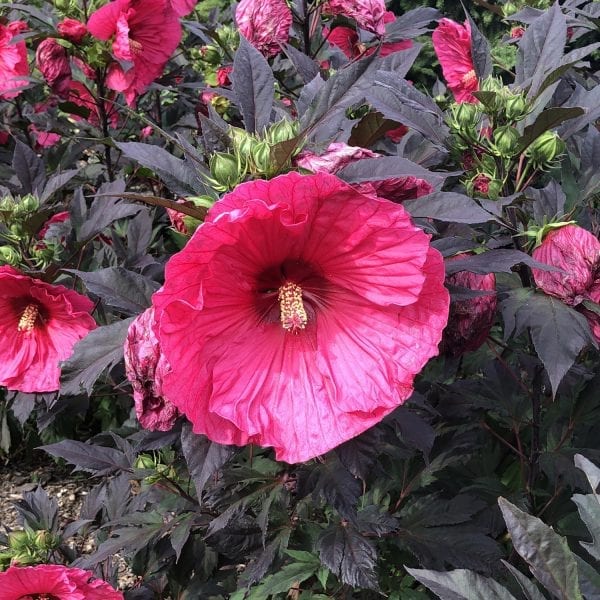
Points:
(292, 315)
(28, 318)
(39, 597)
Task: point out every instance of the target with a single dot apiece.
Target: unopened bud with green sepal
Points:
(516, 107)
(505, 140)
(545, 149)
(9, 256)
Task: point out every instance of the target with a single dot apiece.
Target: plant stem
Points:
(104, 122)
(536, 418)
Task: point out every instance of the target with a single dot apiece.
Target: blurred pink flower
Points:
(183, 8)
(145, 367)
(347, 40)
(452, 44)
(13, 60)
(44, 139)
(577, 252)
(470, 320)
(39, 325)
(146, 132)
(145, 33)
(223, 75)
(298, 315)
(54, 582)
(339, 154)
(368, 14)
(72, 30)
(265, 24)
(53, 62)
(80, 95)
(516, 33)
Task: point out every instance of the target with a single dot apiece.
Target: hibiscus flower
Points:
(338, 155)
(145, 33)
(368, 14)
(577, 252)
(452, 44)
(55, 582)
(13, 60)
(145, 366)
(265, 24)
(39, 325)
(183, 8)
(298, 315)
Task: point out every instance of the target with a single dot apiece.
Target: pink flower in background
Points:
(145, 367)
(39, 325)
(452, 44)
(146, 132)
(53, 62)
(368, 14)
(145, 33)
(265, 24)
(80, 95)
(183, 8)
(13, 60)
(516, 33)
(577, 252)
(298, 315)
(44, 139)
(471, 319)
(223, 75)
(338, 155)
(54, 582)
(72, 30)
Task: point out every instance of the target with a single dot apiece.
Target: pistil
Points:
(293, 315)
(28, 318)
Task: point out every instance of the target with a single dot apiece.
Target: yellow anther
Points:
(28, 318)
(469, 78)
(292, 312)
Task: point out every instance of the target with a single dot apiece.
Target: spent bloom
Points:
(470, 319)
(145, 367)
(39, 325)
(452, 44)
(338, 155)
(53, 62)
(13, 60)
(72, 30)
(54, 582)
(298, 315)
(577, 252)
(265, 24)
(368, 14)
(144, 33)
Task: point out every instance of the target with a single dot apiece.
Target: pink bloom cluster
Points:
(54, 582)
(39, 325)
(452, 44)
(144, 34)
(145, 367)
(265, 24)
(577, 252)
(298, 315)
(338, 155)
(13, 60)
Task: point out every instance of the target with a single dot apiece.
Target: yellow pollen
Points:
(293, 314)
(28, 318)
(135, 47)
(469, 78)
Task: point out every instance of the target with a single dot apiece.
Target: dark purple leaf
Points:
(495, 261)
(448, 206)
(98, 460)
(29, 167)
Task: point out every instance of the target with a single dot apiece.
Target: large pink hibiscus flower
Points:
(39, 325)
(452, 44)
(298, 315)
(13, 60)
(145, 33)
(54, 582)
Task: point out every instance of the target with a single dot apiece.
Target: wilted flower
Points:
(516, 33)
(223, 75)
(145, 367)
(471, 319)
(145, 33)
(577, 252)
(53, 62)
(265, 24)
(452, 44)
(13, 60)
(39, 325)
(338, 155)
(368, 14)
(54, 582)
(72, 30)
(298, 315)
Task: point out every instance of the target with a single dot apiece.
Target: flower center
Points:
(291, 308)
(469, 78)
(39, 597)
(28, 317)
(135, 47)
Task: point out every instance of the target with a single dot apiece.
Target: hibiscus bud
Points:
(44, 540)
(516, 108)
(7, 204)
(509, 8)
(261, 157)
(144, 461)
(9, 256)
(545, 149)
(53, 62)
(506, 139)
(72, 29)
(27, 206)
(282, 131)
(463, 119)
(225, 169)
(484, 185)
(211, 55)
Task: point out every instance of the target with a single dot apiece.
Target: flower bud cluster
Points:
(28, 547)
(251, 156)
(157, 466)
(209, 60)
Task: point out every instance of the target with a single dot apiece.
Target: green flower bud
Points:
(261, 157)
(9, 256)
(506, 139)
(492, 84)
(44, 540)
(225, 169)
(516, 108)
(545, 149)
(202, 201)
(211, 55)
(144, 461)
(28, 205)
(463, 118)
(510, 8)
(18, 540)
(282, 131)
(7, 204)
(64, 6)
